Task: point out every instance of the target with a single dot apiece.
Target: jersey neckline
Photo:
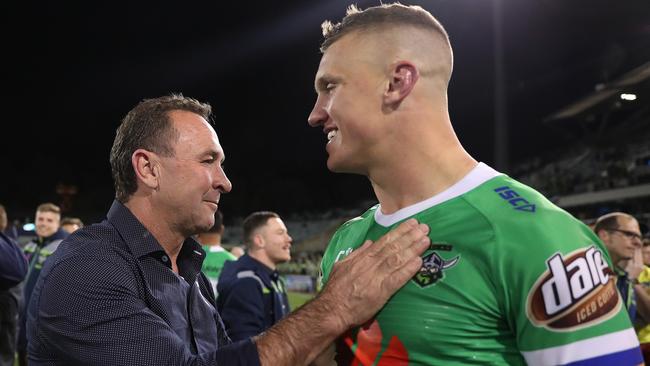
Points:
(477, 176)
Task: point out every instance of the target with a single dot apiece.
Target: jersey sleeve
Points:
(559, 291)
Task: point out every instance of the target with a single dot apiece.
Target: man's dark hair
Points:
(147, 126)
(609, 221)
(218, 223)
(380, 16)
(253, 222)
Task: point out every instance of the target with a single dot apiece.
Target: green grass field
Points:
(296, 299)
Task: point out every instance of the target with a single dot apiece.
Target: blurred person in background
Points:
(252, 295)
(49, 235)
(642, 291)
(71, 224)
(621, 234)
(237, 251)
(215, 254)
(13, 269)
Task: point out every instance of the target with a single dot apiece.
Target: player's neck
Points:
(419, 177)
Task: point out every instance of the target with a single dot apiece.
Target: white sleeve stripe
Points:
(584, 349)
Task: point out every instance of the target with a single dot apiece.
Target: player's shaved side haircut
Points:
(382, 16)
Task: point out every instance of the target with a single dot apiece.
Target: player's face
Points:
(47, 223)
(623, 241)
(192, 180)
(349, 89)
(276, 239)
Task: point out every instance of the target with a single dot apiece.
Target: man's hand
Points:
(358, 287)
(635, 266)
(360, 284)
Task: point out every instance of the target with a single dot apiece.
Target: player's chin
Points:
(337, 164)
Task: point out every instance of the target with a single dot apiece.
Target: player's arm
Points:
(243, 309)
(564, 301)
(357, 288)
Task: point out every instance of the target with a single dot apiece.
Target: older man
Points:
(129, 291)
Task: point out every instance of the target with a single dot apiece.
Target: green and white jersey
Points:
(215, 257)
(508, 279)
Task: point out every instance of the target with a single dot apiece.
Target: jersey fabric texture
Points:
(215, 257)
(508, 279)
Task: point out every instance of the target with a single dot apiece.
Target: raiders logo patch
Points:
(576, 291)
(433, 266)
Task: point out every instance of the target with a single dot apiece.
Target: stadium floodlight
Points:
(29, 227)
(627, 96)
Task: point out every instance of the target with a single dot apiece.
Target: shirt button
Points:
(164, 258)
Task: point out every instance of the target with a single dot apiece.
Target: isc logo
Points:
(574, 291)
(515, 199)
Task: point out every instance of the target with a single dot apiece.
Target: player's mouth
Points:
(331, 134)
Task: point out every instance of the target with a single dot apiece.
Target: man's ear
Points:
(603, 235)
(146, 167)
(403, 77)
(258, 240)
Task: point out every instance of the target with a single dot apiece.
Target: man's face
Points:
(622, 242)
(276, 240)
(191, 182)
(47, 223)
(349, 89)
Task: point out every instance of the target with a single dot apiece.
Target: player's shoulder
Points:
(365, 218)
(511, 206)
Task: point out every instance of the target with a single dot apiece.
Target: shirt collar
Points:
(138, 239)
(141, 243)
(272, 273)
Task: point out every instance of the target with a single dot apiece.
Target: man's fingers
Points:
(402, 248)
(402, 275)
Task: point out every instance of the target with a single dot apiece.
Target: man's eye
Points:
(208, 161)
(330, 86)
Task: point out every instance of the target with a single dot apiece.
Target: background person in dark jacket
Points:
(13, 268)
(48, 237)
(252, 296)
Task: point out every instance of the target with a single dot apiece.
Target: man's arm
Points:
(13, 265)
(243, 309)
(357, 288)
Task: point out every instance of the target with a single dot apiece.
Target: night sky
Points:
(75, 70)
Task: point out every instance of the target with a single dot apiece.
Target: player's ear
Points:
(402, 79)
(146, 167)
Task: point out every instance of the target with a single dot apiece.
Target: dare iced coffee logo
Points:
(576, 291)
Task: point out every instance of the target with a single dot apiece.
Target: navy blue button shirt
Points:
(108, 296)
